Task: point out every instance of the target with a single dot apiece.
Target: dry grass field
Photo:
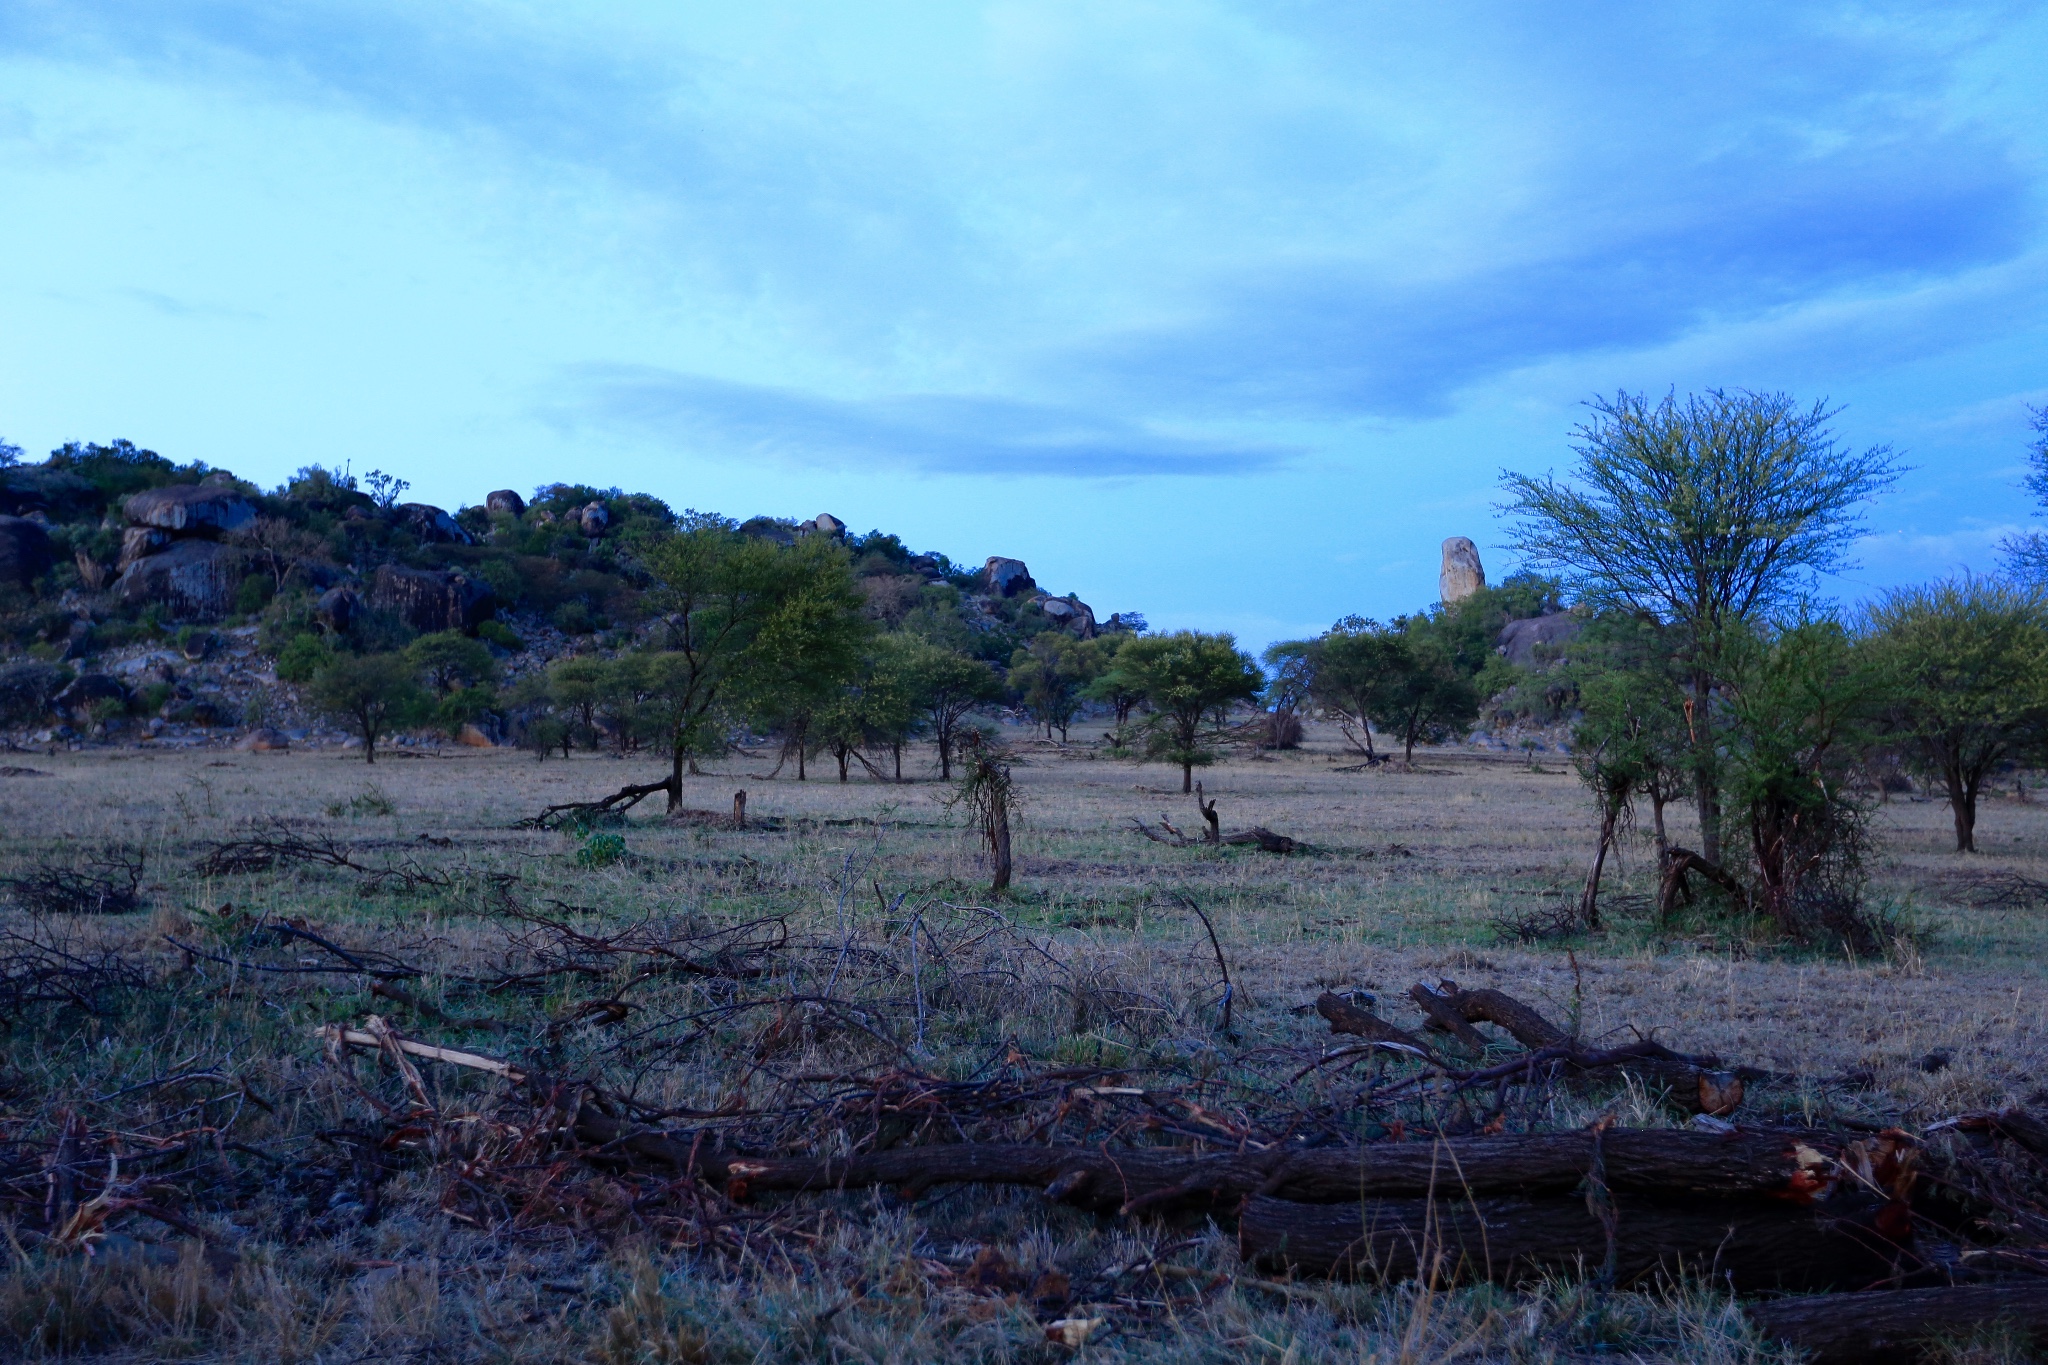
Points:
(317, 1208)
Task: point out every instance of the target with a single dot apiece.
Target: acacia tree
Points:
(1428, 695)
(1965, 664)
(944, 686)
(1351, 668)
(740, 615)
(1800, 702)
(577, 686)
(874, 707)
(1706, 514)
(1048, 675)
(1106, 684)
(1184, 675)
(1630, 740)
(370, 694)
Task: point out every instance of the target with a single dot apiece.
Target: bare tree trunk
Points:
(801, 774)
(1962, 804)
(896, 747)
(1208, 809)
(1589, 903)
(999, 842)
(675, 778)
(1706, 776)
(945, 739)
(1187, 777)
(840, 753)
(1657, 799)
(739, 810)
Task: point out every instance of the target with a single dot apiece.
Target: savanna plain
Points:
(240, 1182)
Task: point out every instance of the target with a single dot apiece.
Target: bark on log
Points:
(1897, 1325)
(1346, 1017)
(1791, 1168)
(1698, 1082)
(1749, 1245)
(1265, 838)
(1521, 1021)
(1443, 1017)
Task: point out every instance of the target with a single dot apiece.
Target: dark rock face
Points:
(1007, 577)
(1518, 640)
(24, 550)
(338, 609)
(431, 599)
(138, 541)
(431, 524)
(190, 509)
(195, 579)
(507, 501)
(79, 695)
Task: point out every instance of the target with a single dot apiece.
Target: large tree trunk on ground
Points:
(1895, 1325)
(1749, 1245)
(1346, 1017)
(1786, 1169)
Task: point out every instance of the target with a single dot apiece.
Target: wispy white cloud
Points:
(931, 433)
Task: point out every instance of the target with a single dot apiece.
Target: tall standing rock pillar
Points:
(1462, 574)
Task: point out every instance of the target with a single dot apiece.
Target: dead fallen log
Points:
(1165, 834)
(1791, 1168)
(618, 803)
(1748, 1245)
(1266, 839)
(1346, 1017)
(1700, 1083)
(1899, 1325)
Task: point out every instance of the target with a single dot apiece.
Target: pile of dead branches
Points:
(1898, 1234)
(273, 843)
(105, 882)
(41, 965)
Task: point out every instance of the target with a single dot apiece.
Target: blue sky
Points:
(1225, 313)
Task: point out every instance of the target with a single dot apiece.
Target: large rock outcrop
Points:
(191, 509)
(24, 551)
(1519, 640)
(431, 524)
(1007, 577)
(1070, 613)
(823, 524)
(1461, 575)
(431, 599)
(194, 580)
(506, 501)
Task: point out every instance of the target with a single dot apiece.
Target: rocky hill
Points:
(140, 597)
